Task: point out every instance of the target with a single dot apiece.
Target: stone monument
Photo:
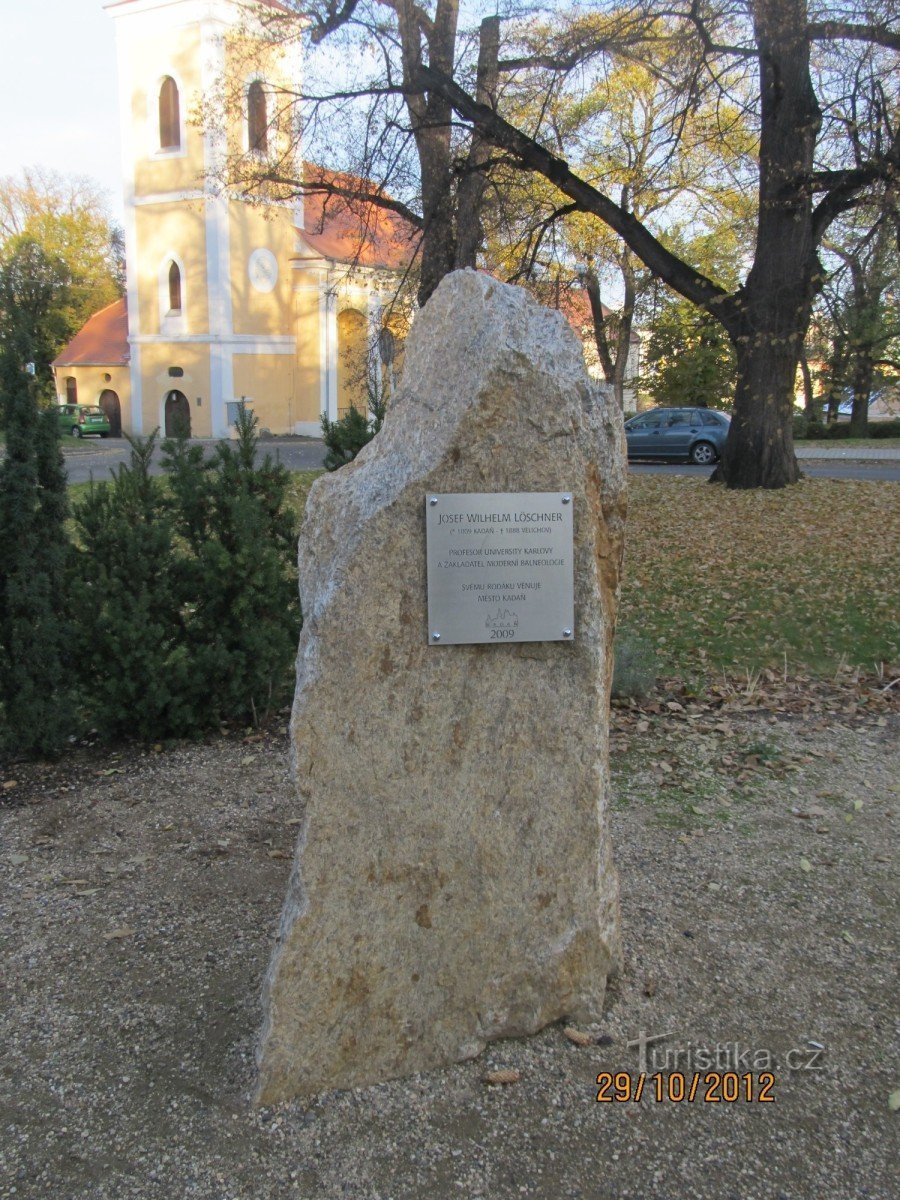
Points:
(453, 880)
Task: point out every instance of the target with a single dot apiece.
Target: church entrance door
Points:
(178, 415)
(109, 402)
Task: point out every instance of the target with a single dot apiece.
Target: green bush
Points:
(815, 431)
(635, 667)
(839, 431)
(884, 429)
(346, 437)
(136, 668)
(37, 707)
(186, 596)
(236, 573)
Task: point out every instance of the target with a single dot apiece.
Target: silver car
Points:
(695, 434)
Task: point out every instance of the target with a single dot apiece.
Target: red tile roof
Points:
(354, 230)
(102, 342)
(575, 305)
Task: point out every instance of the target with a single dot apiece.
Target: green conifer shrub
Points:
(345, 437)
(134, 661)
(38, 710)
(236, 573)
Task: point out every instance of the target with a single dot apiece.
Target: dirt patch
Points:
(138, 913)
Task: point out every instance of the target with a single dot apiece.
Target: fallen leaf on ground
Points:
(496, 1078)
(116, 935)
(577, 1036)
(805, 865)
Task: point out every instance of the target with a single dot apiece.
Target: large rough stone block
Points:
(453, 881)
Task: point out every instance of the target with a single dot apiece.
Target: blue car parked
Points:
(695, 434)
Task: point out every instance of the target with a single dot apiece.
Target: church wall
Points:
(146, 61)
(193, 359)
(161, 231)
(91, 381)
(309, 368)
(268, 380)
(253, 229)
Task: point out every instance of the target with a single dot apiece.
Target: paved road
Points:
(97, 459)
(820, 469)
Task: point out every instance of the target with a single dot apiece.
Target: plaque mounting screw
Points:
(435, 637)
(566, 499)
(433, 501)
(567, 633)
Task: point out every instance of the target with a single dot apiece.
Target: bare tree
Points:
(862, 313)
(800, 193)
(444, 113)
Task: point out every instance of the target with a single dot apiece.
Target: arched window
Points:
(169, 115)
(174, 288)
(71, 390)
(257, 119)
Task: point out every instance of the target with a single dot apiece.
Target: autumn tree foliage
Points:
(433, 110)
(61, 259)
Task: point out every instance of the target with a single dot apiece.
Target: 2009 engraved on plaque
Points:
(500, 567)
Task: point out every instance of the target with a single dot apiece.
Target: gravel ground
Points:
(139, 897)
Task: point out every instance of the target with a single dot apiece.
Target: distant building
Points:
(275, 303)
(576, 307)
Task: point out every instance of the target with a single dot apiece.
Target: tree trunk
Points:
(776, 302)
(470, 198)
(430, 116)
(598, 319)
(863, 372)
(810, 404)
(759, 451)
(626, 321)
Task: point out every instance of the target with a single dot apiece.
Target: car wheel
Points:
(104, 435)
(703, 453)
(76, 432)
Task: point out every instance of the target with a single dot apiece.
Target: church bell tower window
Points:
(257, 119)
(169, 115)
(174, 288)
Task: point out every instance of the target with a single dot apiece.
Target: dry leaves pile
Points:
(805, 577)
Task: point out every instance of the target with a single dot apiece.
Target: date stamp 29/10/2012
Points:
(711, 1087)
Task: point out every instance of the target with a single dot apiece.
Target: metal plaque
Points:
(500, 567)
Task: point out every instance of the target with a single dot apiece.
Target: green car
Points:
(81, 419)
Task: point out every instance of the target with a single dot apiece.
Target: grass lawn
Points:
(735, 581)
(849, 443)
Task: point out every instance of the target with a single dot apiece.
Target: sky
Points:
(58, 91)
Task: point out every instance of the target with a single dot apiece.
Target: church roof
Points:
(575, 305)
(102, 342)
(354, 230)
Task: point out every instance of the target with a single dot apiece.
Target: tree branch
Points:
(348, 191)
(680, 276)
(335, 18)
(837, 31)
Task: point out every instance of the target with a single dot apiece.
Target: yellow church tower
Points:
(278, 304)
